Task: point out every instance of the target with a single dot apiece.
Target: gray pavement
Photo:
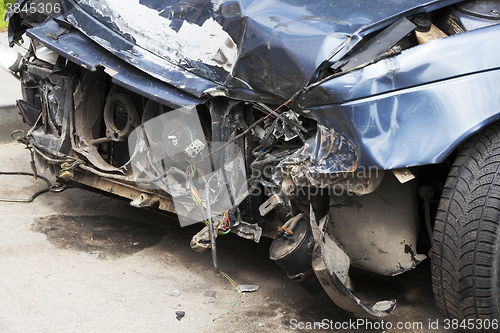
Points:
(10, 91)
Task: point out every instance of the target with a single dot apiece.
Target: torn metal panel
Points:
(264, 50)
(169, 32)
(331, 265)
(322, 161)
(377, 45)
(140, 58)
(84, 52)
(435, 61)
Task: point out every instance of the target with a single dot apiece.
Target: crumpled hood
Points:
(270, 47)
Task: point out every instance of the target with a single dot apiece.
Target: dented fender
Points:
(417, 107)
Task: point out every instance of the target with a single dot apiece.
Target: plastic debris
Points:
(173, 293)
(210, 293)
(249, 288)
(179, 315)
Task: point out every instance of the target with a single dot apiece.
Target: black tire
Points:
(466, 239)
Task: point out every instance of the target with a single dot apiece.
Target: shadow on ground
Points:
(112, 229)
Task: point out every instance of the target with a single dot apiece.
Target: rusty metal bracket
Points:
(270, 204)
(144, 200)
(248, 231)
(403, 175)
(122, 189)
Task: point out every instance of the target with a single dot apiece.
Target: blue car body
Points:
(411, 109)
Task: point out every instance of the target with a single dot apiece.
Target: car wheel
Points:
(466, 238)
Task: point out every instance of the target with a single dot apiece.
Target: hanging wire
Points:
(34, 195)
(20, 45)
(226, 225)
(238, 301)
(191, 171)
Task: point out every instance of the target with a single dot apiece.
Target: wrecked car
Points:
(354, 133)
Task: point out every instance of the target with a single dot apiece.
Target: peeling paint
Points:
(208, 43)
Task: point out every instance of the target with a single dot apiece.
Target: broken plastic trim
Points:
(377, 45)
(331, 266)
